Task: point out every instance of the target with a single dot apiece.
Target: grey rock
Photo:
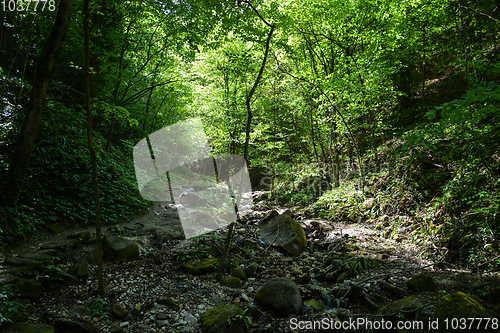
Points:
(189, 318)
(18, 261)
(119, 310)
(80, 310)
(117, 248)
(36, 256)
(162, 323)
(283, 231)
(280, 295)
(6, 278)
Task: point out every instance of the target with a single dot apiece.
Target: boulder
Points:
(410, 304)
(421, 282)
(459, 305)
(283, 231)
(20, 261)
(6, 278)
(238, 273)
(280, 295)
(81, 270)
(119, 310)
(28, 288)
(191, 199)
(368, 203)
(30, 328)
(232, 282)
(223, 319)
(251, 270)
(117, 248)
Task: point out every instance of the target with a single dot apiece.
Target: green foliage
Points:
(60, 186)
(183, 256)
(100, 308)
(340, 204)
(8, 305)
(19, 222)
(52, 272)
(359, 265)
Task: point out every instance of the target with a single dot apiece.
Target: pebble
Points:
(190, 318)
(162, 323)
(125, 323)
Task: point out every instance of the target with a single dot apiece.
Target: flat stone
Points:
(6, 278)
(36, 256)
(61, 245)
(50, 252)
(18, 261)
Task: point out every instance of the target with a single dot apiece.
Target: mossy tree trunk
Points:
(21, 159)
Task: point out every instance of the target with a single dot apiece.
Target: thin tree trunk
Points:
(95, 180)
(20, 162)
(252, 91)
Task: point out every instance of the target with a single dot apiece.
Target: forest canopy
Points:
(330, 102)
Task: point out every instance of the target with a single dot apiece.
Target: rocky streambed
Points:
(284, 272)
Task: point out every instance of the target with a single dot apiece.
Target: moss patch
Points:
(200, 266)
(170, 302)
(238, 273)
(232, 282)
(460, 305)
(421, 283)
(223, 319)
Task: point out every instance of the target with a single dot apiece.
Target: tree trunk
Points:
(95, 180)
(20, 162)
(252, 91)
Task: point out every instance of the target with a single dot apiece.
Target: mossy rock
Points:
(55, 228)
(422, 283)
(315, 304)
(200, 266)
(28, 288)
(251, 270)
(232, 282)
(183, 256)
(170, 302)
(405, 305)
(30, 328)
(117, 248)
(223, 319)
(459, 305)
(238, 273)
